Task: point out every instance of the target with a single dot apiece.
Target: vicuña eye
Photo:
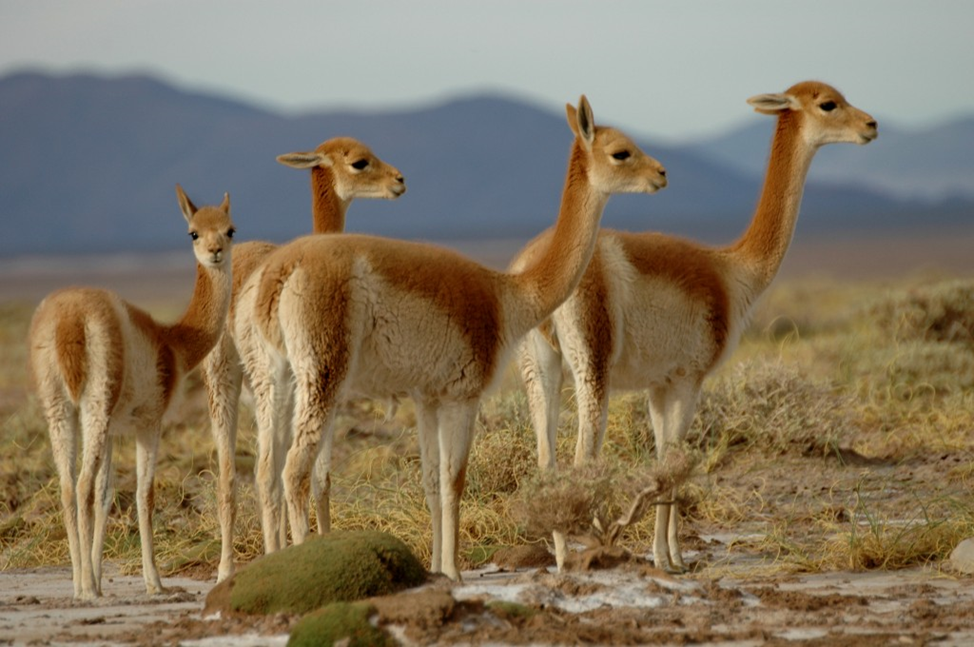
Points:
(360, 164)
(194, 235)
(231, 232)
(828, 106)
(621, 155)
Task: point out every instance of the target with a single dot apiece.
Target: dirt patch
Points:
(630, 604)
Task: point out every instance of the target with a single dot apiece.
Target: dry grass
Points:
(841, 435)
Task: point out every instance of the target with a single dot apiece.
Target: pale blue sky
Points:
(675, 70)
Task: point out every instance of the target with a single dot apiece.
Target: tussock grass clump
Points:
(876, 540)
(940, 312)
(769, 407)
(597, 502)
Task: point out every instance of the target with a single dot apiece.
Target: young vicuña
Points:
(102, 367)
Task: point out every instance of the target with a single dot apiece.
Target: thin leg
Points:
(223, 377)
(314, 412)
(540, 366)
(103, 504)
(429, 452)
(456, 431)
(671, 411)
(146, 454)
(62, 424)
(94, 426)
(266, 386)
(321, 484)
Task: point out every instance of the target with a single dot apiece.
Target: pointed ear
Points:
(185, 204)
(225, 205)
(305, 160)
(571, 113)
(772, 104)
(585, 122)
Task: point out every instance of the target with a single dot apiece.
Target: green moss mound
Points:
(338, 567)
(345, 621)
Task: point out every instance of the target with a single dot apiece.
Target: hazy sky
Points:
(676, 69)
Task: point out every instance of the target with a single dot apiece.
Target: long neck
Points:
(762, 247)
(327, 209)
(550, 279)
(200, 327)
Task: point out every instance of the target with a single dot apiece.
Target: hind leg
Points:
(316, 389)
(62, 422)
(146, 455)
(671, 410)
(103, 504)
(321, 484)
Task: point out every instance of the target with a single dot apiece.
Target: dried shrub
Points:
(772, 407)
(941, 312)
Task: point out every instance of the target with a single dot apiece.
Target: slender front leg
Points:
(223, 377)
(429, 453)
(146, 454)
(456, 431)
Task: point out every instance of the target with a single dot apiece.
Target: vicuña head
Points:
(824, 116)
(210, 228)
(343, 169)
(384, 317)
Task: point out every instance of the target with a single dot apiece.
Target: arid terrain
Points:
(834, 462)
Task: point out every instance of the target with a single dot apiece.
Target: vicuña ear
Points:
(305, 160)
(225, 205)
(585, 121)
(772, 104)
(185, 204)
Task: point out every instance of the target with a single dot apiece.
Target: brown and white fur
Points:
(102, 367)
(342, 169)
(660, 313)
(384, 317)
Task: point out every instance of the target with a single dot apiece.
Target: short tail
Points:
(71, 351)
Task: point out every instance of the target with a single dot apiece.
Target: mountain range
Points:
(89, 163)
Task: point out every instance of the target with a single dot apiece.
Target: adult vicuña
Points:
(342, 169)
(384, 317)
(660, 313)
(102, 367)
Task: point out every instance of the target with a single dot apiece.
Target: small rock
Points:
(962, 559)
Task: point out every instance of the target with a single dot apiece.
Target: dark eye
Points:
(194, 235)
(231, 232)
(621, 155)
(360, 164)
(828, 106)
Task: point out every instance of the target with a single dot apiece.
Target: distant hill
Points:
(89, 163)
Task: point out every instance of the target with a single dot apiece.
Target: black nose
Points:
(662, 172)
(400, 179)
(872, 124)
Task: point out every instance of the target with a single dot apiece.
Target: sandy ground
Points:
(631, 603)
